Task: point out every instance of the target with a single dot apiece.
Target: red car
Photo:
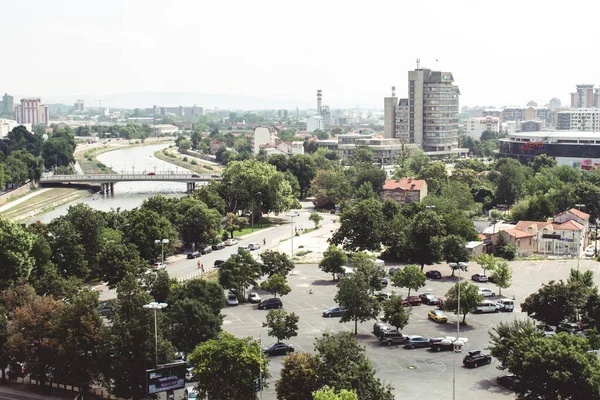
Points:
(151, 173)
(412, 301)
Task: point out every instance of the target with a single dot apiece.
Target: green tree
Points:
(369, 173)
(364, 267)
(143, 228)
(557, 367)
(436, 177)
(344, 365)
(241, 357)
(200, 224)
(116, 259)
(330, 188)
(410, 277)
(334, 259)
(552, 303)
(4, 350)
(184, 145)
(79, 332)
(353, 295)
(395, 313)
(542, 161)
(275, 284)
(509, 185)
(425, 238)
(487, 262)
(275, 262)
(209, 195)
(32, 335)
(316, 219)
(239, 272)
(360, 227)
(501, 275)
(363, 154)
(365, 192)
(299, 377)
(130, 348)
(304, 169)
(234, 222)
(15, 249)
(282, 325)
(160, 285)
(327, 393)
(469, 299)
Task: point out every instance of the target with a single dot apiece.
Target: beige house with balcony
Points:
(404, 191)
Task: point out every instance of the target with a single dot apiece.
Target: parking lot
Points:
(418, 373)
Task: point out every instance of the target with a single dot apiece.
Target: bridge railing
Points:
(110, 177)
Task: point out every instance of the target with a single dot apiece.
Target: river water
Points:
(127, 195)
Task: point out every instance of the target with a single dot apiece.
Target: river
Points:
(127, 195)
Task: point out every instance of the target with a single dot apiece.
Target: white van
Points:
(506, 305)
(487, 306)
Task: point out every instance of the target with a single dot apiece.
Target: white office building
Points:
(474, 127)
(315, 123)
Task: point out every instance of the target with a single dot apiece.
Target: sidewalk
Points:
(13, 203)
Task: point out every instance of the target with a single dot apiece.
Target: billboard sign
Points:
(165, 377)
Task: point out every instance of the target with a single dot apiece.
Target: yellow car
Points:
(437, 316)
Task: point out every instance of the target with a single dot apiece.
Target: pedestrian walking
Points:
(264, 241)
(202, 267)
(198, 263)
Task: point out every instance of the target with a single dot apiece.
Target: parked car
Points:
(253, 297)
(380, 327)
(393, 270)
(392, 337)
(16, 370)
(207, 250)
(294, 213)
(151, 174)
(218, 246)
(189, 374)
(278, 349)
(486, 292)
(159, 266)
(232, 300)
(447, 343)
(218, 263)
(384, 282)
(273, 302)
(193, 254)
(253, 246)
(487, 306)
(507, 305)
(440, 303)
(547, 330)
(383, 296)
(334, 312)
(433, 274)
(569, 327)
(511, 382)
(414, 341)
(190, 393)
(476, 358)
(244, 248)
(590, 251)
(480, 278)
(231, 242)
(412, 301)
(428, 298)
(437, 316)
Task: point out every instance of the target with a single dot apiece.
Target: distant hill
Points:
(171, 99)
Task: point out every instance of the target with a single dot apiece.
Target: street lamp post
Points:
(155, 306)
(580, 238)
(162, 248)
(460, 266)
(292, 215)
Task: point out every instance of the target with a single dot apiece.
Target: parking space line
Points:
(521, 266)
(540, 266)
(560, 266)
(254, 319)
(234, 316)
(312, 327)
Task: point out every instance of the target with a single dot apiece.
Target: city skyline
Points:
(353, 51)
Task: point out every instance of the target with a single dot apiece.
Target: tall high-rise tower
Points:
(389, 115)
(319, 98)
(433, 109)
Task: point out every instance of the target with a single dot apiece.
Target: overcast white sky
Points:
(500, 52)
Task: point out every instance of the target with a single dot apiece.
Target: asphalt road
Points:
(415, 374)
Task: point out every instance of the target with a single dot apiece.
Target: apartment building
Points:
(32, 111)
(585, 96)
(579, 119)
(404, 191)
(474, 127)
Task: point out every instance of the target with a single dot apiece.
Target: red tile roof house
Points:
(566, 234)
(403, 191)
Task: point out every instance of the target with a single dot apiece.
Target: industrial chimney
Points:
(319, 96)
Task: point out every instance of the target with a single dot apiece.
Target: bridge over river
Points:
(107, 181)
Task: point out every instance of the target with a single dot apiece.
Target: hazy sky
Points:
(500, 52)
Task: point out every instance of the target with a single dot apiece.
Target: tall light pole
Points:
(460, 265)
(580, 238)
(155, 306)
(292, 215)
(162, 248)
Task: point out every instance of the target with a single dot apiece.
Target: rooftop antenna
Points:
(418, 63)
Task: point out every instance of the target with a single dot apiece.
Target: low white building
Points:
(315, 123)
(475, 126)
(509, 127)
(7, 125)
(262, 136)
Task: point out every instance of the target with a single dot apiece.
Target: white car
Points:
(293, 213)
(487, 306)
(159, 266)
(232, 300)
(231, 242)
(189, 373)
(486, 292)
(253, 246)
(590, 251)
(253, 297)
(190, 393)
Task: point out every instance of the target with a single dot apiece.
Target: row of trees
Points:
(24, 155)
